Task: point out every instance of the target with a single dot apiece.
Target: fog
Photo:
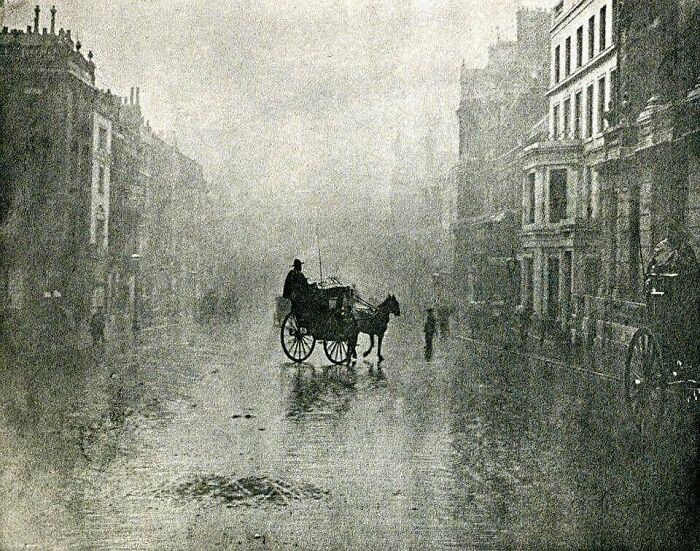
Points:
(292, 103)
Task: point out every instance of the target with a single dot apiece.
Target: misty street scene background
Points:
(495, 340)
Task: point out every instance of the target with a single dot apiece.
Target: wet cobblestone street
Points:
(210, 439)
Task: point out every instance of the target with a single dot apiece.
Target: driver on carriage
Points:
(303, 295)
(296, 284)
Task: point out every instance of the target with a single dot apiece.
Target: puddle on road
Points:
(255, 491)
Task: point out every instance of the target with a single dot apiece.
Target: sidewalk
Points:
(547, 351)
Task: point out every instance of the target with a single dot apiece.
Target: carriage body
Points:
(664, 352)
(322, 314)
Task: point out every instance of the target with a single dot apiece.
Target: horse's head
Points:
(393, 304)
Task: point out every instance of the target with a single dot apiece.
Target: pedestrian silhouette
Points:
(97, 327)
(430, 328)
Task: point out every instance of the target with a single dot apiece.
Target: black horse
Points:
(375, 322)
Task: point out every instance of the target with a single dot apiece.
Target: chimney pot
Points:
(78, 45)
(29, 29)
(131, 96)
(138, 101)
(68, 33)
(90, 55)
(53, 19)
(37, 11)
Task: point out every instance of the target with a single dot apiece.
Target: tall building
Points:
(499, 105)
(561, 189)
(78, 184)
(649, 173)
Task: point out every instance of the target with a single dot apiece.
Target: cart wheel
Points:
(296, 342)
(644, 382)
(336, 351)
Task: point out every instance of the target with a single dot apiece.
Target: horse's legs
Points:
(352, 346)
(380, 337)
(371, 345)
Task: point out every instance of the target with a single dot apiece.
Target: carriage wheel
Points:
(336, 351)
(644, 374)
(296, 342)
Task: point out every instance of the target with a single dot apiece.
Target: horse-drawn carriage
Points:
(322, 314)
(664, 352)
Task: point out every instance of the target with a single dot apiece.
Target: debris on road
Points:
(251, 490)
(242, 416)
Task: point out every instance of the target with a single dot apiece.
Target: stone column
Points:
(537, 282)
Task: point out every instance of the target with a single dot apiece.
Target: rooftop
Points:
(45, 49)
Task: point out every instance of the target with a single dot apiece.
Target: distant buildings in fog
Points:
(95, 208)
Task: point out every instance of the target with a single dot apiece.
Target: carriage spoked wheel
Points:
(296, 341)
(336, 351)
(644, 382)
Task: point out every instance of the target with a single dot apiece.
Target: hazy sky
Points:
(281, 93)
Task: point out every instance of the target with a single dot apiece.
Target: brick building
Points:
(80, 171)
(499, 105)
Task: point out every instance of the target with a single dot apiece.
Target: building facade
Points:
(561, 190)
(650, 174)
(78, 185)
(499, 105)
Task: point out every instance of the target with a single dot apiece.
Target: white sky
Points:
(271, 94)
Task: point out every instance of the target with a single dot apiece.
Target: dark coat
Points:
(429, 327)
(295, 285)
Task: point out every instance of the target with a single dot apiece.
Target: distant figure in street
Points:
(430, 328)
(97, 327)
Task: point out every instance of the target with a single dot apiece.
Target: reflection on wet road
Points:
(212, 440)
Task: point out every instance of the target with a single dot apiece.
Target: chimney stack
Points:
(138, 101)
(37, 11)
(53, 19)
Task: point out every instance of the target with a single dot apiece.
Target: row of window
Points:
(568, 118)
(568, 54)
